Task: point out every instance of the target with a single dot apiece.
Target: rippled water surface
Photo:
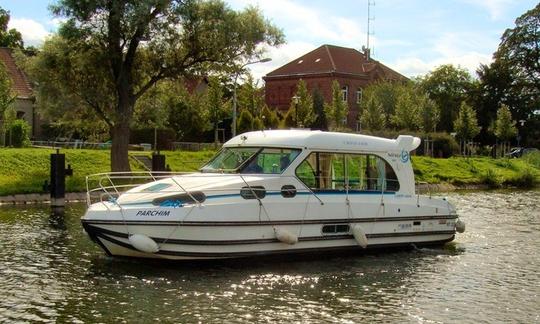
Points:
(49, 271)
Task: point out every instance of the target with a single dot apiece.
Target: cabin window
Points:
(371, 173)
(271, 161)
(336, 229)
(354, 172)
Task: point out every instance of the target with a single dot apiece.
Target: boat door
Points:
(324, 174)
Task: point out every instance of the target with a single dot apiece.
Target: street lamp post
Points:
(240, 69)
(295, 100)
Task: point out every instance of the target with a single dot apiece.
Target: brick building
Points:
(319, 68)
(25, 100)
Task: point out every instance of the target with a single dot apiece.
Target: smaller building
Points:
(25, 100)
(353, 70)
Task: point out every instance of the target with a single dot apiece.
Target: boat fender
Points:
(143, 243)
(360, 236)
(285, 236)
(460, 226)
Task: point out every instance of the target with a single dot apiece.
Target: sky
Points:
(411, 36)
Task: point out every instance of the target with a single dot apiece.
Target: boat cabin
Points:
(323, 161)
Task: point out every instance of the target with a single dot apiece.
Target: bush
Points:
(533, 159)
(19, 133)
(526, 179)
(491, 179)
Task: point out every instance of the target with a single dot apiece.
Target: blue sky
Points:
(411, 36)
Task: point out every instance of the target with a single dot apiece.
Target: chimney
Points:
(366, 53)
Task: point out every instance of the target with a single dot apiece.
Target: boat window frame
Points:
(247, 161)
(317, 173)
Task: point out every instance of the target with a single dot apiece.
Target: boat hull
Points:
(221, 240)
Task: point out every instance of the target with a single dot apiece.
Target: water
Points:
(49, 271)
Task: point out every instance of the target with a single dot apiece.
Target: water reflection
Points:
(51, 271)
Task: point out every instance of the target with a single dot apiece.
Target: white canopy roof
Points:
(318, 140)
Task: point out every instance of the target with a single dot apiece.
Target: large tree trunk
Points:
(119, 149)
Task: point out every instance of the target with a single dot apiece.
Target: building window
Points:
(358, 95)
(344, 93)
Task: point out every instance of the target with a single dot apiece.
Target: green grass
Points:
(25, 170)
(480, 170)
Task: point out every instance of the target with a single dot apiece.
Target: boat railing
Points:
(103, 187)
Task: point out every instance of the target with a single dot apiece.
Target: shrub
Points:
(492, 179)
(20, 131)
(525, 179)
(533, 159)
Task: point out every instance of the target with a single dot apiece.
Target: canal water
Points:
(49, 271)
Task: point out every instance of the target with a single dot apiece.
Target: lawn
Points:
(25, 170)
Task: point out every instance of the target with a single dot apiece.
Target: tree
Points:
(251, 96)
(318, 108)
(466, 124)
(270, 118)
(245, 122)
(10, 116)
(302, 110)
(9, 38)
(406, 115)
(520, 48)
(215, 105)
(448, 86)
(429, 113)
(140, 43)
(186, 112)
(372, 117)
(337, 110)
(6, 99)
(505, 127)
(385, 93)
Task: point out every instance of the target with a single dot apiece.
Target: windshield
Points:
(251, 160)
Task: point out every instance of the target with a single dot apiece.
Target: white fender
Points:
(143, 243)
(460, 226)
(285, 236)
(360, 236)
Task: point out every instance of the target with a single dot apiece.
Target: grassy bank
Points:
(25, 170)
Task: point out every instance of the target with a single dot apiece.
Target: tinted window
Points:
(357, 172)
(271, 161)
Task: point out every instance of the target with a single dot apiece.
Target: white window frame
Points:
(344, 93)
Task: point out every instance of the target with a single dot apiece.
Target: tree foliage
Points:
(429, 113)
(466, 124)
(302, 110)
(406, 115)
(318, 109)
(245, 122)
(385, 93)
(269, 118)
(251, 96)
(372, 117)
(447, 86)
(120, 49)
(505, 126)
(337, 110)
(11, 38)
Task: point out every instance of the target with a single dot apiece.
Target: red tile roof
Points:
(21, 85)
(335, 59)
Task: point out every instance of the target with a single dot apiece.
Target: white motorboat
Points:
(273, 192)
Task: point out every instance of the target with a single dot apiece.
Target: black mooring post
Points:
(58, 179)
(158, 162)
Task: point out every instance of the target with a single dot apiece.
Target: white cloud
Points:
(309, 24)
(460, 49)
(495, 8)
(33, 33)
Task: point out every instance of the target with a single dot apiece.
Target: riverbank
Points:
(24, 171)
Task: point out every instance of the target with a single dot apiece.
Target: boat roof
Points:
(319, 140)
